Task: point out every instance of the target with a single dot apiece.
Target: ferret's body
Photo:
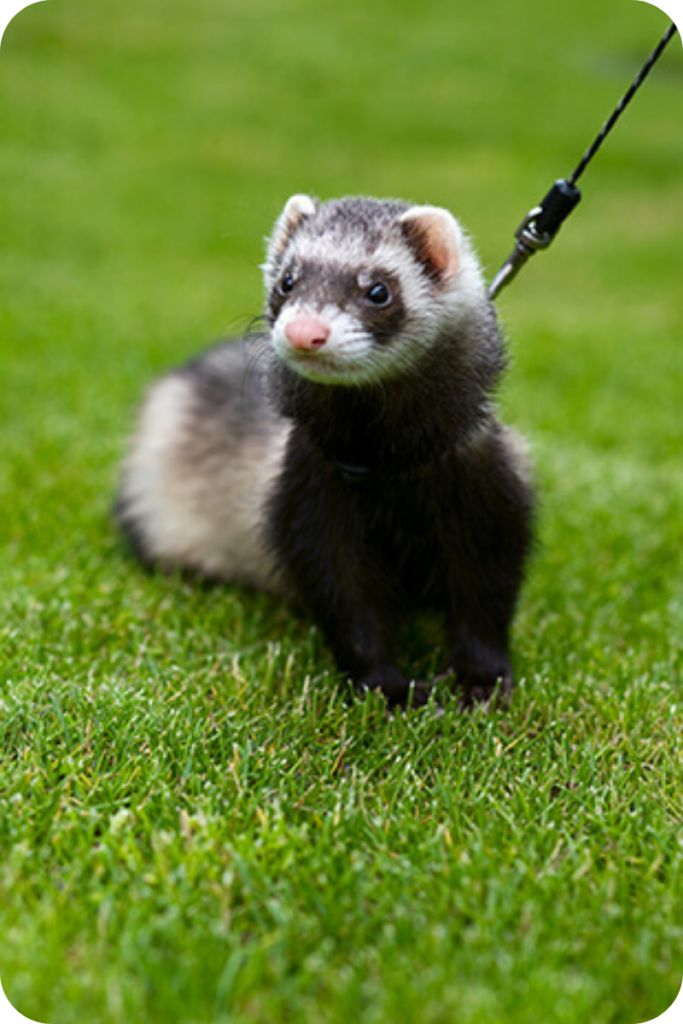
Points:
(350, 456)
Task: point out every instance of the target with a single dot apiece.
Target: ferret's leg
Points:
(358, 626)
(319, 537)
(479, 655)
(487, 571)
(360, 637)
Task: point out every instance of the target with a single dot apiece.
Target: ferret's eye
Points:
(286, 283)
(379, 294)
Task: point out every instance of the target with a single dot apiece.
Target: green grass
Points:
(194, 827)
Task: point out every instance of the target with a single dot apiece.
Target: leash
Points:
(541, 224)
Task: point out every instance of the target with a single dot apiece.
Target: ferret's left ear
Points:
(435, 237)
(297, 209)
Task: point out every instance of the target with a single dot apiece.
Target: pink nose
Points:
(306, 333)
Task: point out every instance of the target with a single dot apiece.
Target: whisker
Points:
(258, 351)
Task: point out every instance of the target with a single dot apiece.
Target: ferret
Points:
(349, 455)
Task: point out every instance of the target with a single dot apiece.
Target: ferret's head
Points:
(359, 289)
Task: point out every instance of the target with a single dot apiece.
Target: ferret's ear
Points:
(297, 209)
(435, 236)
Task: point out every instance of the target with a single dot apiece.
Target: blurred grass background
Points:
(193, 826)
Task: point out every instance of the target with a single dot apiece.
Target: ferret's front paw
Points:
(398, 691)
(491, 691)
(490, 687)
(419, 694)
(481, 673)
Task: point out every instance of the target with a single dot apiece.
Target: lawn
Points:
(194, 826)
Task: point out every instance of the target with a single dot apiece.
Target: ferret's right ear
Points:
(436, 238)
(297, 209)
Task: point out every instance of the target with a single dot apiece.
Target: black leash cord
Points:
(541, 224)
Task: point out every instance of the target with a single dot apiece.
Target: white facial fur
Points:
(349, 356)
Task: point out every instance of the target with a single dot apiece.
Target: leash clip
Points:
(537, 230)
(528, 237)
